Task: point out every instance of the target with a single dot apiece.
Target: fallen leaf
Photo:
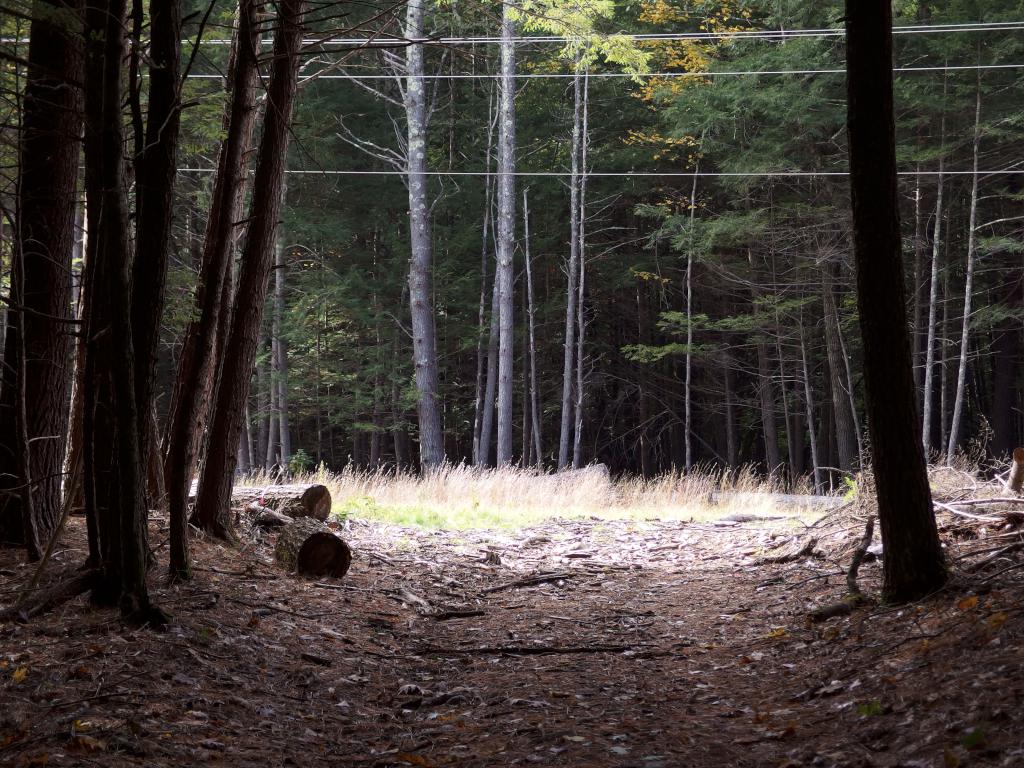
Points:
(83, 743)
(777, 634)
(413, 759)
(995, 621)
(968, 603)
(20, 674)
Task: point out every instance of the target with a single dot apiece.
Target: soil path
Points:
(589, 643)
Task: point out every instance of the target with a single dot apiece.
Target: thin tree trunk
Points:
(232, 385)
(190, 403)
(281, 354)
(687, 386)
(424, 333)
(809, 405)
(573, 271)
(581, 319)
(491, 385)
(846, 439)
(972, 240)
(933, 291)
(532, 346)
(481, 360)
(913, 564)
(506, 235)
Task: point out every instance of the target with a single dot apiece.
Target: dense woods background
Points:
(544, 234)
(738, 279)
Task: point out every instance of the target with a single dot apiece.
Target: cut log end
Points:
(310, 548)
(1016, 479)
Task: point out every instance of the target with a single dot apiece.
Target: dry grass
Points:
(459, 496)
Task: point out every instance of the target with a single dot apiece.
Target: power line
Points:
(755, 34)
(621, 75)
(627, 174)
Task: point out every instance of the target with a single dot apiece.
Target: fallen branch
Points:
(524, 650)
(968, 515)
(51, 597)
(530, 582)
(448, 615)
(805, 551)
(858, 558)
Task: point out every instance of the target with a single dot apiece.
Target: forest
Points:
(362, 360)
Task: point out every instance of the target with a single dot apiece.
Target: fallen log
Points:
(310, 548)
(293, 500)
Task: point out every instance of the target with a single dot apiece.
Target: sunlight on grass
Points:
(461, 497)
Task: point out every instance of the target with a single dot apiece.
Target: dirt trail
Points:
(588, 643)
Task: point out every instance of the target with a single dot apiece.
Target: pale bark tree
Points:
(506, 234)
(965, 327)
(534, 393)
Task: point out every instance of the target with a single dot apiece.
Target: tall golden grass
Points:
(461, 496)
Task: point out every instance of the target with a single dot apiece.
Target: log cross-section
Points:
(310, 548)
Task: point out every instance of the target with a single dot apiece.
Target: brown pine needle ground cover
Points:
(585, 642)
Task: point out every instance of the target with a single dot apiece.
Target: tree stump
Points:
(1016, 481)
(292, 500)
(310, 548)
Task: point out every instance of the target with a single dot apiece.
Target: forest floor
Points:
(570, 643)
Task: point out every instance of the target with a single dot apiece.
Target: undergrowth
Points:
(463, 497)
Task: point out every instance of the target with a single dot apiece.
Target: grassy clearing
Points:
(461, 497)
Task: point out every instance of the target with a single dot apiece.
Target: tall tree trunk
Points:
(232, 385)
(687, 386)
(933, 294)
(424, 334)
(731, 438)
(846, 432)
(33, 408)
(972, 240)
(506, 234)
(532, 345)
(115, 470)
(155, 173)
(581, 318)
(281, 354)
(479, 452)
(491, 385)
(1006, 350)
(573, 272)
(913, 564)
(193, 389)
(809, 404)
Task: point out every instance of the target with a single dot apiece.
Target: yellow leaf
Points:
(20, 674)
(996, 620)
(968, 603)
(778, 633)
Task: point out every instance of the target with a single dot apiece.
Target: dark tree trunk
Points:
(154, 181)
(1006, 350)
(846, 433)
(913, 562)
(190, 403)
(115, 469)
(232, 384)
(36, 373)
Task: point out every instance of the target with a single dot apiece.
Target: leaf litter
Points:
(573, 643)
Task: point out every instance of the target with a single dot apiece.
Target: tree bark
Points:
(933, 295)
(534, 394)
(33, 408)
(310, 548)
(965, 328)
(189, 412)
(232, 383)
(115, 469)
(424, 332)
(913, 564)
(506, 236)
(572, 274)
(846, 437)
(281, 355)
(581, 319)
